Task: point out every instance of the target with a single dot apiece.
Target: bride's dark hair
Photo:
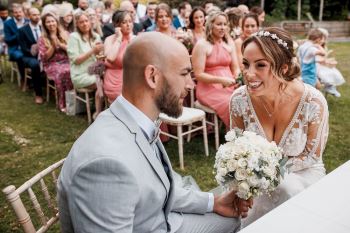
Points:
(277, 54)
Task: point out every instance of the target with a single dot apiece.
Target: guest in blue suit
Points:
(11, 27)
(28, 36)
(179, 21)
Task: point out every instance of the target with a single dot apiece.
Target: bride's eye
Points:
(261, 65)
(246, 65)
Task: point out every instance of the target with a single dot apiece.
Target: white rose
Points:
(253, 163)
(242, 163)
(232, 165)
(231, 135)
(269, 171)
(241, 174)
(253, 181)
(264, 184)
(243, 190)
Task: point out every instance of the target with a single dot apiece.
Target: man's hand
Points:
(229, 205)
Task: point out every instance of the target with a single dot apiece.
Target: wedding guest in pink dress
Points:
(53, 54)
(215, 66)
(115, 46)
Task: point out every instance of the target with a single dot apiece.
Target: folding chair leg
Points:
(88, 111)
(189, 135)
(180, 145)
(205, 137)
(216, 129)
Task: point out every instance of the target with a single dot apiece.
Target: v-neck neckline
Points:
(291, 123)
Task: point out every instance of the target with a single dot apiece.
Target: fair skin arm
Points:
(238, 45)
(112, 44)
(199, 56)
(235, 69)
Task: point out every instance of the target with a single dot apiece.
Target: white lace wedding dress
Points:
(303, 141)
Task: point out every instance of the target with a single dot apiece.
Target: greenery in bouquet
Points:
(240, 79)
(249, 164)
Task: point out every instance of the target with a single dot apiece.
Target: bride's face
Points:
(257, 71)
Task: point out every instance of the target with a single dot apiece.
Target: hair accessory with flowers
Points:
(273, 36)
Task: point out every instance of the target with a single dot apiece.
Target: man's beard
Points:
(4, 18)
(168, 103)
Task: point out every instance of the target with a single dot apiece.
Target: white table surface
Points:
(324, 207)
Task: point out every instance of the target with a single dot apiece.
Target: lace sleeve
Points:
(317, 133)
(236, 113)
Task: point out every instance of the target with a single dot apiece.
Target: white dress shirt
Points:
(149, 127)
(37, 29)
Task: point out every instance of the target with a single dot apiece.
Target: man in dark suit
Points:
(11, 27)
(28, 37)
(150, 17)
(179, 20)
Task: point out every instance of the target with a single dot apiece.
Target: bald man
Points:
(118, 177)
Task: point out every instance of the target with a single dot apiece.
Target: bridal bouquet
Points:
(249, 164)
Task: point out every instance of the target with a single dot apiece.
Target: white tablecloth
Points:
(322, 208)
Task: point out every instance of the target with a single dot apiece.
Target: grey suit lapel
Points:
(122, 114)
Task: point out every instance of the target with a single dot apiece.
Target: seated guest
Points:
(115, 46)
(83, 46)
(4, 15)
(164, 20)
(235, 17)
(53, 54)
(250, 25)
(95, 23)
(149, 20)
(108, 29)
(11, 27)
(66, 17)
(108, 12)
(196, 26)
(83, 5)
(28, 37)
(215, 66)
(260, 13)
(140, 10)
(179, 20)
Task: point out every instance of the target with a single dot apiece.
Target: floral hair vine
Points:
(273, 36)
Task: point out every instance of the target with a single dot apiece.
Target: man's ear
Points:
(151, 76)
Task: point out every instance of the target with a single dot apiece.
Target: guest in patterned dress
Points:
(215, 66)
(53, 54)
(115, 46)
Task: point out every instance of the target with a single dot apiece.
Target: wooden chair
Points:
(210, 113)
(188, 117)
(15, 71)
(27, 75)
(50, 84)
(23, 217)
(86, 100)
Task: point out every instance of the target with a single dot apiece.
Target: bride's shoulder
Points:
(239, 93)
(314, 95)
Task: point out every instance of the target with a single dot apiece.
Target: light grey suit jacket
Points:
(112, 181)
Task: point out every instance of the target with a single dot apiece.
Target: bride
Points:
(278, 106)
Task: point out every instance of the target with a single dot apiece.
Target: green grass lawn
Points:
(33, 137)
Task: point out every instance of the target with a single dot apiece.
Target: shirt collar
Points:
(33, 26)
(149, 128)
(19, 21)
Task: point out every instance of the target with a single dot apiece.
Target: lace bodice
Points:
(305, 137)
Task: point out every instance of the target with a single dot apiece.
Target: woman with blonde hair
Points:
(53, 54)
(83, 46)
(278, 106)
(215, 66)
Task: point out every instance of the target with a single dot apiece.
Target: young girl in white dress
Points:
(281, 108)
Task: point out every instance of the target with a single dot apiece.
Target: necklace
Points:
(270, 114)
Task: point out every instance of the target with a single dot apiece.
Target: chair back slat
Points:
(13, 197)
(37, 207)
(47, 196)
(15, 201)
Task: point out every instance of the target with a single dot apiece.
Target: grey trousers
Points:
(208, 223)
